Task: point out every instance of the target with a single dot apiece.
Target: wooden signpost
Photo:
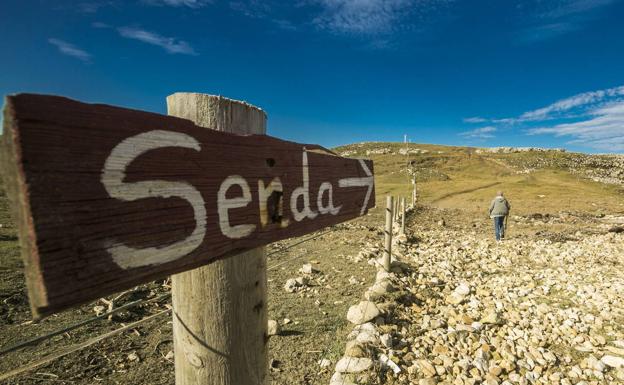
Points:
(107, 198)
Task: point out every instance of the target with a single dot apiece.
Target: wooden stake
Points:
(402, 215)
(388, 232)
(395, 210)
(414, 192)
(220, 310)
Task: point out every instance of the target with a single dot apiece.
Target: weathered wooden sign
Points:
(107, 197)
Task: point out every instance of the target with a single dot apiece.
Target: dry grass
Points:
(457, 177)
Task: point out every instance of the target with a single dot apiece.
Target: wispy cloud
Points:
(362, 17)
(474, 119)
(480, 133)
(546, 31)
(563, 8)
(550, 19)
(169, 44)
(603, 130)
(88, 7)
(180, 3)
(575, 106)
(568, 104)
(70, 49)
(252, 8)
(593, 119)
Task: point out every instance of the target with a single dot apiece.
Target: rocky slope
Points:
(526, 310)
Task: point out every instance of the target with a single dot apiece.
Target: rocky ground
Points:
(468, 310)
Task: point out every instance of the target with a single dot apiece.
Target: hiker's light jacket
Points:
(499, 207)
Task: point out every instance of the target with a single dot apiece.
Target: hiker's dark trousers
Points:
(499, 224)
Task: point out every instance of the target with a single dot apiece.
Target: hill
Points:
(536, 180)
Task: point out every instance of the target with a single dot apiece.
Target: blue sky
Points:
(485, 73)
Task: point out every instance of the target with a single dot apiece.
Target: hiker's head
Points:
(499, 194)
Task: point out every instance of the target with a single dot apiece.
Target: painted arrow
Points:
(367, 181)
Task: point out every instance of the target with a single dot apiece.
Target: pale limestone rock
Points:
(273, 328)
(353, 364)
(613, 361)
(363, 312)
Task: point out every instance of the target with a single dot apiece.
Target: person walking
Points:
(499, 209)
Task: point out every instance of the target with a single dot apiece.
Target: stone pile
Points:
(519, 312)
(468, 311)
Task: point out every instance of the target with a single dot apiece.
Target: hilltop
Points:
(537, 180)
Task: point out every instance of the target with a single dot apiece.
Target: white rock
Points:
(386, 340)
(382, 287)
(307, 268)
(353, 365)
(291, 285)
(387, 362)
(324, 363)
(595, 364)
(363, 312)
(273, 328)
(613, 361)
(383, 275)
(462, 289)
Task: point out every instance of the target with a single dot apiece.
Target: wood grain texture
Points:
(220, 310)
(55, 150)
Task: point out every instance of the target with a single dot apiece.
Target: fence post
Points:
(220, 310)
(388, 232)
(395, 210)
(402, 215)
(414, 192)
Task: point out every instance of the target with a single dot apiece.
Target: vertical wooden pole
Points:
(395, 209)
(388, 232)
(220, 310)
(402, 215)
(414, 193)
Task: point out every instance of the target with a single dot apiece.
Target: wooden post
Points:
(220, 310)
(402, 215)
(388, 232)
(414, 192)
(395, 210)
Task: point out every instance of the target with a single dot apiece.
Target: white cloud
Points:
(70, 49)
(180, 3)
(474, 119)
(169, 44)
(252, 8)
(553, 18)
(567, 104)
(361, 17)
(604, 130)
(574, 106)
(593, 119)
(571, 7)
(480, 133)
(546, 31)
